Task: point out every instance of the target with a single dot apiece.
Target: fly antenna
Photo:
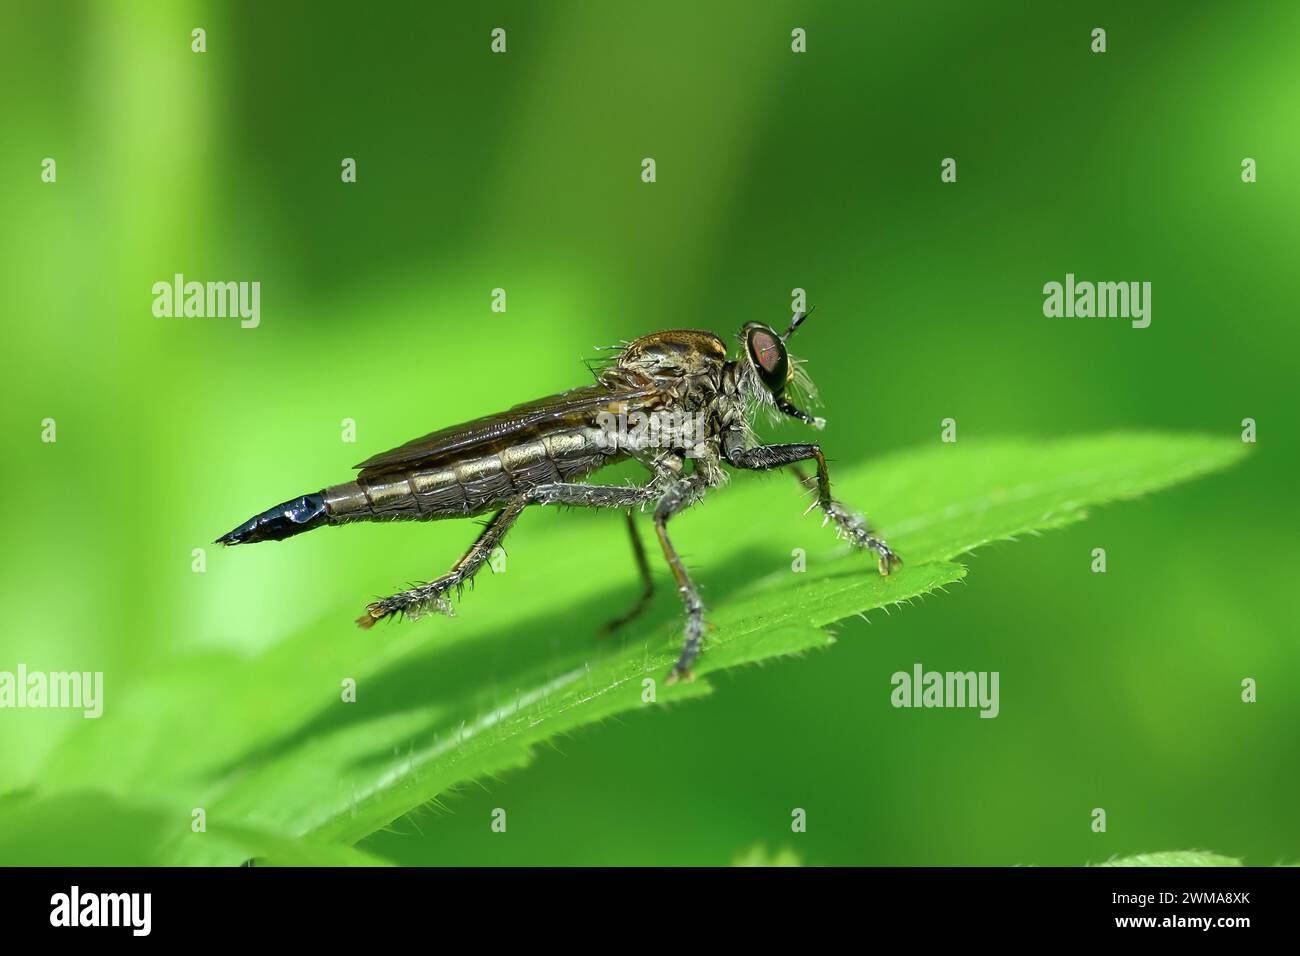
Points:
(797, 321)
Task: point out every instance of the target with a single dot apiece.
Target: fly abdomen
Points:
(383, 497)
(578, 453)
(470, 486)
(283, 521)
(456, 489)
(460, 490)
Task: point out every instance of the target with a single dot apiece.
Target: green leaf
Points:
(760, 856)
(1174, 858)
(89, 828)
(267, 747)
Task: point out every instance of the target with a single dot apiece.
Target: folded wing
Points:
(578, 406)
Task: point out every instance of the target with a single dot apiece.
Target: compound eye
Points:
(768, 352)
(766, 349)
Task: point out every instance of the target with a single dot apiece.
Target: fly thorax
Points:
(748, 390)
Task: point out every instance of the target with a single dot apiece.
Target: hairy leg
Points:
(431, 596)
(847, 524)
(678, 496)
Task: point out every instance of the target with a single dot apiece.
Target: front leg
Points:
(847, 524)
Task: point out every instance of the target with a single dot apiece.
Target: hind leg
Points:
(647, 582)
(430, 597)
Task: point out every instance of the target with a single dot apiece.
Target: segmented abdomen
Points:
(464, 487)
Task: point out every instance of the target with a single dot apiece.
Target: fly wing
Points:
(523, 421)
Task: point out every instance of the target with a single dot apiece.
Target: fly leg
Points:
(592, 496)
(847, 524)
(678, 496)
(430, 597)
(647, 581)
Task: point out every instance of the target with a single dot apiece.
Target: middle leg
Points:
(679, 496)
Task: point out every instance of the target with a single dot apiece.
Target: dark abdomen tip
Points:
(283, 521)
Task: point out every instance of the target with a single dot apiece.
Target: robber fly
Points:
(537, 454)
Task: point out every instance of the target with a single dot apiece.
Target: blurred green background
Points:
(775, 171)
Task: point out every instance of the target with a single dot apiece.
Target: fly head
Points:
(776, 378)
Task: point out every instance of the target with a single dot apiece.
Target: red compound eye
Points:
(766, 349)
(769, 357)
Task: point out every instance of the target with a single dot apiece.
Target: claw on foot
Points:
(889, 562)
(377, 611)
(373, 613)
(678, 673)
